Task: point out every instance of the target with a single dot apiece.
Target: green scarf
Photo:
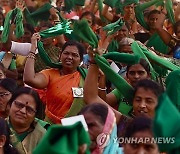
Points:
(70, 4)
(138, 51)
(119, 82)
(166, 124)
(113, 27)
(18, 17)
(173, 88)
(63, 140)
(111, 3)
(40, 14)
(122, 58)
(84, 32)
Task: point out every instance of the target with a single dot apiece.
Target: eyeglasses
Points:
(20, 106)
(4, 94)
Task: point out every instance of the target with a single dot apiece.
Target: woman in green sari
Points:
(25, 131)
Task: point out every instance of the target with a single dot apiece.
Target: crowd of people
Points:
(114, 62)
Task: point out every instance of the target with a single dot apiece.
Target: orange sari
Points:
(59, 93)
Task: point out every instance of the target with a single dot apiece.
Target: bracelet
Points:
(32, 53)
(31, 56)
(102, 89)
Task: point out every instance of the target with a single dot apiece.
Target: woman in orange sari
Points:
(63, 85)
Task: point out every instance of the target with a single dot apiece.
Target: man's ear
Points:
(2, 140)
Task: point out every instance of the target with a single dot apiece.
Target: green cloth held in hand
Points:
(166, 124)
(119, 82)
(113, 46)
(17, 16)
(59, 29)
(173, 87)
(70, 4)
(113, 27)
(84, 32)
(169, 8)
(40, 14)
(111, 3)
(137, 50)
(13, 64)
(63, 140)
(125, 58)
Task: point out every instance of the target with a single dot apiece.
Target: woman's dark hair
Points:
(97, 109)
(9, 84)
(91, 14)
(1, 14)
(28, 91)
(176, 25)
(153, 12)
(144, 64)
(156, 88)
(80, 47)
(29, 28)
(138, 124)
(4, 130)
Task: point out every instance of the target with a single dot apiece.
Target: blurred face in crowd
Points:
(46, 41)
(95, 127)
(129, 9)
(22, 111)
(123, 32)
(26, 38)
(152, 20)
(144, 102)
(89, 19)
(126, 49)
(135, 73)
(141, 148)
(4, 2)
(5, 96)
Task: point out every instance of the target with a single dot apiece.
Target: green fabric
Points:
(59, 29)
(139, 12)
(100, 7)
(166, 124)
(159, 60)
(113, 27)
(12, 65)
(78, 103)
(121, 4)
(70, 4)
(22, 136)
(40, 14)
(119, 82)
(63, 140)
(44, 124)
(113, 46)
(83, 31)
(16, 15)
(138, 51)
(173, 88)
(122, 57)
(111, 3)
(169, 8)
(124, 108)
(158, 44)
